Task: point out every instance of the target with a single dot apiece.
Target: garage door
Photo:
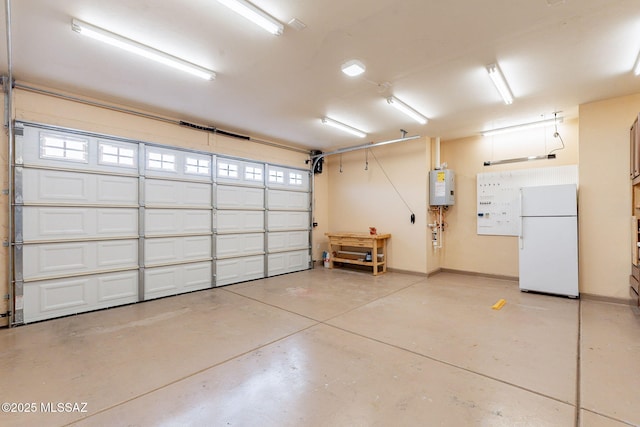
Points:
(288, 220)
(76, 223)
(103, 221)
(177, 222)
(239, 225)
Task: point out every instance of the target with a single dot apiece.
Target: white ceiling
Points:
(432, 54)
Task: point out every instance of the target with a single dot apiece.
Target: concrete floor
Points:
(331, 348)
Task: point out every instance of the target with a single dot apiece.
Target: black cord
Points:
(413, 215)
(556, 134)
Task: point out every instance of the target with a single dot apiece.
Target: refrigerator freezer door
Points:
(549, 255)
(549, 200)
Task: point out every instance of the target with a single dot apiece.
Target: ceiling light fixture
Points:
(255, 15)
(395, 102)
(523, 126)
(500, 83)
(520, 159)
(345, 128)
(353, 68)
(132, 46)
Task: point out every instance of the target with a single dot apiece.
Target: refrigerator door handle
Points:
(521, 231)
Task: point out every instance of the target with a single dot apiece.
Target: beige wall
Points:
(464, 249)
(605, 196)
(359, 198)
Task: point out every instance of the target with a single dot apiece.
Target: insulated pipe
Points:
(437, 154)
(9, 124)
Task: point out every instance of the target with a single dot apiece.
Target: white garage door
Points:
(288, 220)
(76, 223)
(178, 238)
(102, 221)
(239, 221)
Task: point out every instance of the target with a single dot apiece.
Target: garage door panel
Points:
(176, 279)
(176, 249)
(176, 221)
(230, 197)
(236, 270)
(228, 245)
(62, 187)
(288, 262)
(117, 287)
(55, 223)
(292, 200)
(239, 221)
(115, 189)
(281, 220)
(117, 254)
(61, 297)
(287, 240)
(51, 259)
(177, 193)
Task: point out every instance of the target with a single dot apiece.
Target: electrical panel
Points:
(441, 188)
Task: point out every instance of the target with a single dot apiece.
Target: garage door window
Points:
(63, 148)
(113, 154)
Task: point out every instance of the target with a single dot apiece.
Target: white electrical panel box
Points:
(441, 188)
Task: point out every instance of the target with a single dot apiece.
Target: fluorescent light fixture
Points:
(255, 15)
(636, 69)
(523, 126)
(395, 102)
(353, 68)
(500, 83)
(343, 127)
(132, 46)
(520, 159)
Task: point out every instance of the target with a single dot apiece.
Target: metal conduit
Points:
(8, 89)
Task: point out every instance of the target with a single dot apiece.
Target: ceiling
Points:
(432, 54)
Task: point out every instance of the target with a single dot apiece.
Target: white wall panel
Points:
(291, 200)
(235, 197)
(53, 298)
(56, 259)
(176, 249)
(283, 220)
(65, 188)
(177, 193)
(176, 279)
(55, 223)
(237, 270)
(160, 222)
(288, 240)
(239, 221)
(230, 245)
(288, 262)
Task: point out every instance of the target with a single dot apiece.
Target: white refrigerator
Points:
(549, 240)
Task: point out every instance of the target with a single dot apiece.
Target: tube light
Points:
(523, 126)
(520, 159)
(500, 83)
(255, 15)
(636, 69)
(132, 46)
(343, 127)
(395, 102)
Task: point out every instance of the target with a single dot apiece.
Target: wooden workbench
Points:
(347, 248)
